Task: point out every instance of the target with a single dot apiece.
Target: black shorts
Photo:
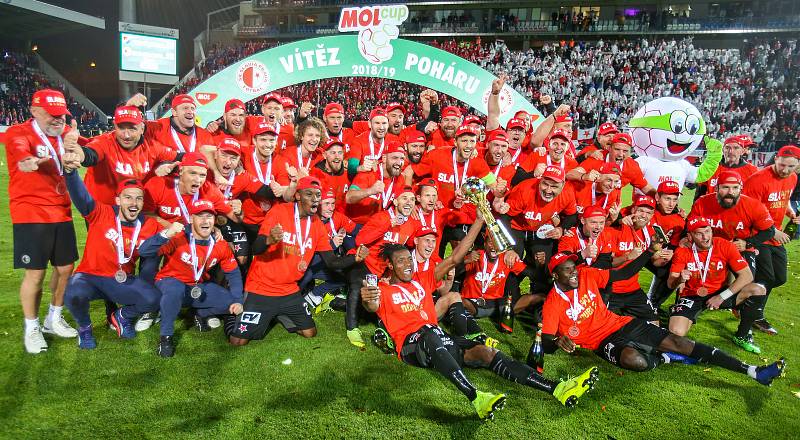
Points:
(261, 312)
(36, 244)
(633, 304)
(415, 352)
(691, 306)
(637, 334)
(235, 234)
(491, 308)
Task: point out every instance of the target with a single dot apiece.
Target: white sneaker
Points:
(34, 341)
(59, 328)
(145, 322)
(214, 322)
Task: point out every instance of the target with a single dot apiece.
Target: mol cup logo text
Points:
(377, 26)
(253, 77)
(205, 98)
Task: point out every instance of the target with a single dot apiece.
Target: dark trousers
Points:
(215, 300)
(135, 295)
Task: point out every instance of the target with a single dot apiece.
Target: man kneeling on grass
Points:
(575, 316)
(406, 308)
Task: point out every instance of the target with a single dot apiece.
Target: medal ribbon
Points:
(487, 281)
(408, 296)
(301, 238)
(120, 242)
(457, 182)
(575, 307)
(704, 271)
(178, 142)
(181, 204)
(266, 178)
(197, 268)
(49, 146)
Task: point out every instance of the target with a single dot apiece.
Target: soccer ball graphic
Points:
(672, 137)
(375, 43)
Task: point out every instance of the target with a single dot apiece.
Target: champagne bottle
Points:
(536, 354)
(507, 322)
(790, 229)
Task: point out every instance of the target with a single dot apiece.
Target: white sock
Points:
(666, 358)
(751, 371)
(54, 313)
(31, 324)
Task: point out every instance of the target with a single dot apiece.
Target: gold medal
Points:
(702, 291)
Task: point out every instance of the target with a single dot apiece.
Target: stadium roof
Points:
(31, 19)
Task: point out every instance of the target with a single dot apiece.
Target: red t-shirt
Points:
(428, 266)
(178, 259)
(242, 186)
(339, 182)
(576, 242)
(627, 239)
(115, 164)
(774, 192)
(594, 322)
(440, 141)
(160, 198)
(745, 171)
(361, 148)
(724, 258)
(365, 208)
(439, 165)
(161, 131)
(672, 224)
(378, 231)
(489, 275)
(346, 136)
(528, 211)
(535, 159)
(743, 220)
(285, 131)
(39, 196)
(631, 172)
(587, 194)
(100, 254)
(337, 222)
(277, 271)
(438, 219)
(294, 157)
(406, 307)
(274, 169)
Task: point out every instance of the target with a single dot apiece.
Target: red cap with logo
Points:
(272, 97)
(607, 128)
(622, 138)
(553, 173)
(308, 182)
(451, 111)
(560, 258)
(669, 187)
(332, 143)
(392, 106)
(52, 101)
(394, 147)
(201, 205)
(594, 211)
(416, 137)
(645, 200)
(333, 107)
(288, 102)
(472, 119)
(521, 114)
(497, 135)
(378, 111)
(789, 151)
(729, 177)
(467, 130)
(425, 182)
(194, 159)
(328, 194)
(561, 133)
(425, 230)
(402, 189)
(233, 104)
(129, 183)
(515, 123)
(610, 168)
(230, 145)
(696, 223)
(128, 113)
(182, 99)
(265, 127)
(563, 118)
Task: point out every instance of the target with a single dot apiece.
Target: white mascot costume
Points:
(667, 130)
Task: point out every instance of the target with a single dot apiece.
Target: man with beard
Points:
(405, 306)
(179, 131)
(372, 191)
(393, 225)
(309, 135)
(416, 145)
(603, 192)
(233, 124)
(168, 198)
(287, 241)
(558, 120)
(620, 153)
(499, 161)
(430, 214)
(333, 117)
(574, 316)
(272, 111)
(288, 109)
(368, 147)
(734, 151)
(444, 136)
(773, 187)
(605, 134)
(672, 223)
(123, 154)
(591, 241)
(558, 145)
(40, 212)
(701, 275)
(190, 252)
(332, 172)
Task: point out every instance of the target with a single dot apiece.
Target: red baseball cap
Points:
(594, 211)
(425, 230)
(553, 173)
(265, 127)
(789, 151)
(425, 182)
(329, 193)
(129, 183)
(234, 104)
(333, 107)
(230, 145)
(403, 189)
(515, 123)
(729, 177)
(331, 143)
(467, 130)
(472, 119)
(52, 101)
(497, 135)
(308, 182)
(521, 113)
(696, 223)
(201, 205)
(451, 111)
(392, 106)
(394, 147)
(378, 111)
(564, 134)
(560, 258)
(182, 99)
(645, 200)
(416, 137)
(607, 127)
(622, 138)
(563, 118)
(271, 97)
(669, 187)
(128, 113)
(194, 159)
(610, 168)
(288, 102)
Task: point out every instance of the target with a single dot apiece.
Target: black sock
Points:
(463, 323)
(447, 366)
(339, 304)
(715, 356)
(516, 371)
(752, 310)
(228, 324)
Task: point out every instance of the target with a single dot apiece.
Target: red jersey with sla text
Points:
(365, 208)
(672, 224)
(528, 211)
(724, 258)
(277, 271)
(535, 159)
(38, 196)
(294, 157)
(337, 222)
(439, 165)
(340, 182)
(631, 171)
(406, 307)
(594, 321)
(487, 279)
(742, 220)
(576, 241)
(160, 197)
(629, 238)
(588, 194)
(774, 192)
(271, 170)
(178, 258)
(378, 231)
(745, 171)
(100, 254)
(163, 132)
